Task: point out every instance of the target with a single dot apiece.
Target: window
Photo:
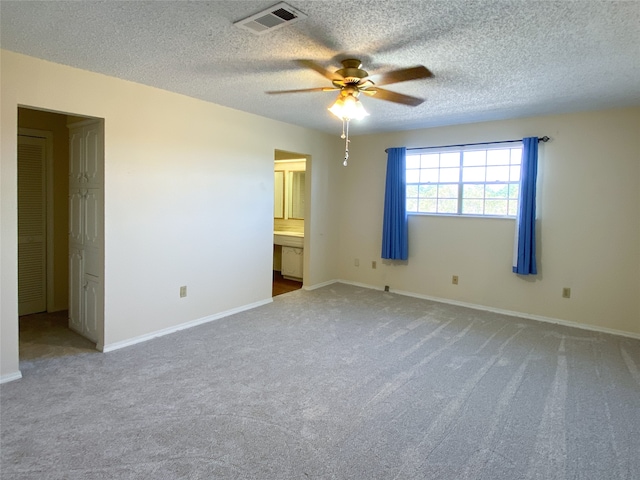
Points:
(465, 181)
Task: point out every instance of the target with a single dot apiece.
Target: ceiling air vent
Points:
(272, 18)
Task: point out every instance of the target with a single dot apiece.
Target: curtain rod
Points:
(540, 139)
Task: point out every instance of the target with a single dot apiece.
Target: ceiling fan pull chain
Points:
(346, 142)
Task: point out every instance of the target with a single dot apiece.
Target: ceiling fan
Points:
(351, 80)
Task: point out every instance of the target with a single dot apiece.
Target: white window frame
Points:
(426, 171)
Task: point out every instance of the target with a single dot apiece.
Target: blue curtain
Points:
(395, 236)
(524, 256)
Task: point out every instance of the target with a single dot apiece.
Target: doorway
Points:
(291, 215)
(43, 230)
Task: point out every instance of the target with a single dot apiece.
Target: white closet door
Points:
(86, 258)
(76, 215)
(92, 307)
(92, 219)
(92, 155)
(32, 227)
(76, 168)
(76, 289)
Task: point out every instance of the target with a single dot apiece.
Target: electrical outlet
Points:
(183, 291)
(454, 279)
(373, 265)
(356, 262)
(386, 288)
(566, 292)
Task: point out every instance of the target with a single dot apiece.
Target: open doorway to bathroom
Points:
(290, 214)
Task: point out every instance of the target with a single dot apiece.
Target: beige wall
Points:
(588, 223)
(173, 167)
(57, 125)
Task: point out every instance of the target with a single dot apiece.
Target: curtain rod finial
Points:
(545, 139)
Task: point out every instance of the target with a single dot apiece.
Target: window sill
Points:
(454, 215)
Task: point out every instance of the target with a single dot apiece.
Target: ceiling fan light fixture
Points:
(348, 107)
(336, 108)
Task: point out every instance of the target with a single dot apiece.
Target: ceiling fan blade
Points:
(388, 95)
(396, 76)
(365, 83)
(320, 69)
(318, 89)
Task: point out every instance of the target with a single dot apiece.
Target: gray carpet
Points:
(337, 383)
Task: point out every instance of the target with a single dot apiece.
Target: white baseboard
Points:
(319, 285)
(11, 377)
(193, 323)
(364, 285)
(512, 313)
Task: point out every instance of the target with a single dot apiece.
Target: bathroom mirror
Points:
(296, 189)
(278, 195)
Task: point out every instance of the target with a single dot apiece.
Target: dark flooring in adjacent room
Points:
(282, 285)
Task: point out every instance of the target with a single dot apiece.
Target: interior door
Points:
(32, 226)
(86, 257)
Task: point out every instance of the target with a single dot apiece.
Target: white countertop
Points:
(289, 234)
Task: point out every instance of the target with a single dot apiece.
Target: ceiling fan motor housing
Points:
(351, 72)
(350, 90)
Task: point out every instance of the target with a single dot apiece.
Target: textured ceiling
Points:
(490, 59)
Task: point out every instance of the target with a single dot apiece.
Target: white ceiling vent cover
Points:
(271, 19)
